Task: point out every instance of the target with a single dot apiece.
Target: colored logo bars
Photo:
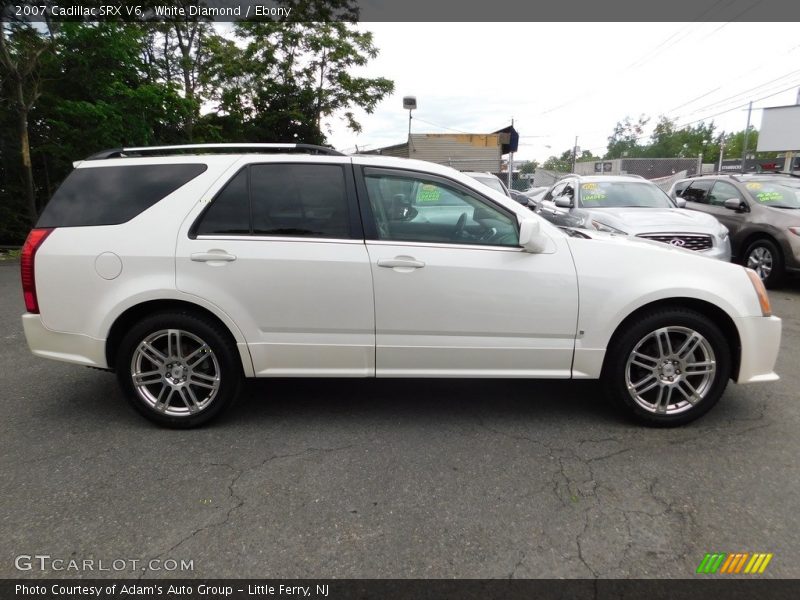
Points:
(742, 562)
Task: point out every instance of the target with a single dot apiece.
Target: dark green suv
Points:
(762, 213)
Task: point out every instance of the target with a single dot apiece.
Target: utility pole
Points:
(510, 161)
(721, 151)
(746, 136)
(574, 153)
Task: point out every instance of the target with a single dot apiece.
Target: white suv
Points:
(186, 269)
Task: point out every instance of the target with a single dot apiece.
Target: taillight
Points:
(26, 262)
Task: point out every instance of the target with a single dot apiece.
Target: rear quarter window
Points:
(113, 195)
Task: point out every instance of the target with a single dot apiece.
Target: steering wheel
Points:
(462, 221)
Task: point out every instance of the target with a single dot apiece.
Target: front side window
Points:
(722, 191)
(411, 208)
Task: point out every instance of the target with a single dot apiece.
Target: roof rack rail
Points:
(221, 148)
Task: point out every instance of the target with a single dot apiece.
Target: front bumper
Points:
(761, 339)
(67, 347)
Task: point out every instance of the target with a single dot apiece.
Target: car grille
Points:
(681, 240)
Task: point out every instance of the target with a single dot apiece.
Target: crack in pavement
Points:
(232, 495)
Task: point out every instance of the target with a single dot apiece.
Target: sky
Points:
(561, 80)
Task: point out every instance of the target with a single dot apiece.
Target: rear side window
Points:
(113, 195)
(287, 200)
(230, 211)
(299, 200)
(698, 191)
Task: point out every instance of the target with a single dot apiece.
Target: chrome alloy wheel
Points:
(175, 372)
(760, 260)
(670, 370)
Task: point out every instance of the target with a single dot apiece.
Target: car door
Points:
(733, 220)
(280, 249)
(454, 293)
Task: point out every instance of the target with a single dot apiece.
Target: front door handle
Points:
(401, 262)
(212, 256)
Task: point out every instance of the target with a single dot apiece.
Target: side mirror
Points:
(681, 202)
(531, 238)
(734, 204)
(563, 202)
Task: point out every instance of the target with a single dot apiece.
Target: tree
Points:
(529, 166)
(21, 49)
(561, 163)
(624, 141)
(285, 79)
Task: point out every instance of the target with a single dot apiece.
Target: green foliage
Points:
(105, 85)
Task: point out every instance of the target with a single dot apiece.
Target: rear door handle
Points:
(401, 262)
(212, 256)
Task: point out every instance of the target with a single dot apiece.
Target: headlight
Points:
(761, 292)
(607, 228)
(722, 232)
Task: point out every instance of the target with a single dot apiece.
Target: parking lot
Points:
(393, 478)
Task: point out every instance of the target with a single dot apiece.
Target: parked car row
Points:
(750, 219)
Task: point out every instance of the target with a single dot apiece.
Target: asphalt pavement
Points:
(390, 478)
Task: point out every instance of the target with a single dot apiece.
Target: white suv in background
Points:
(186, 269)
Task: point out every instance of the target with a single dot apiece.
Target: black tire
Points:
(764, 247)
(216, 365)
(638, 335)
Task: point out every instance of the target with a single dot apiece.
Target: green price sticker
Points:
(594, 197)
(769, 196)
(428, 193)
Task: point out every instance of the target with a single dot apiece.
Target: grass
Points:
(9, 254)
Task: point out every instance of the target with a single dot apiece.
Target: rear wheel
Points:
(178, 369)
(669, 367)
(764, 257)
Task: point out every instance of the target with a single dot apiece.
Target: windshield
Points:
(778, 194)
(493, 183)
(615, 194)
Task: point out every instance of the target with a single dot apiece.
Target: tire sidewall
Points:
(614, 373)
(222, 347)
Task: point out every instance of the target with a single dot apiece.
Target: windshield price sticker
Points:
(589, 186)
(753, 185)
(769, 196)
(594, 197)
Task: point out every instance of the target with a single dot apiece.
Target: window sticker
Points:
(589, 186)
(769, 196)
(428, 193)
(753, 185)
(595, 197)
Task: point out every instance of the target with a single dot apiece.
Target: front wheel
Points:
(669, 367)
(178, 369)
